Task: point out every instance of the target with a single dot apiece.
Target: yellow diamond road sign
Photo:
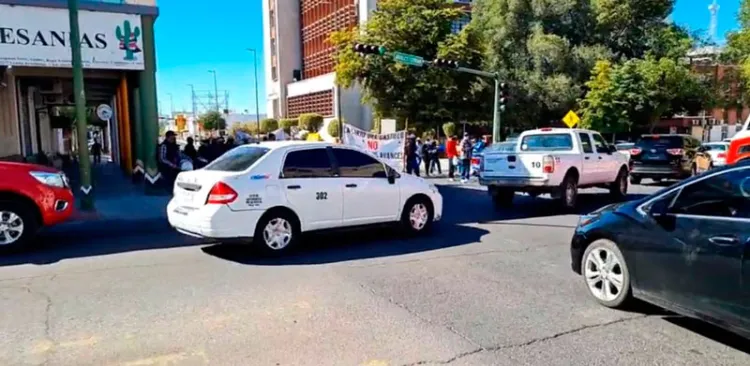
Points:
(571, 119)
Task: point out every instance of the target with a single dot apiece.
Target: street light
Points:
(255, 66)
(216, 89)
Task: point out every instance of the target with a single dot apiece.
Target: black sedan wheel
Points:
(606, 274)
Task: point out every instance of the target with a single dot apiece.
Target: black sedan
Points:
(685, 248)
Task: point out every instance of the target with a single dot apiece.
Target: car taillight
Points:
(474, 161)
(721, 155)
(635, 151)
(676, 152)
(221, 194)
(548, 164)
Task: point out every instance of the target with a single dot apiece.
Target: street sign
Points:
(571, 119)
(408, 59)
(104, 112)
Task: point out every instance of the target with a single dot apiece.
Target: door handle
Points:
(293, 187)
(723, 240)
(587, 158)
(600, 158)
(351, 185)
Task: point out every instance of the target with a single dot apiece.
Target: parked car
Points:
(684, 248)
(31, 197)
(268, 194)
(558, 161)
(664, 157)
(712, 154)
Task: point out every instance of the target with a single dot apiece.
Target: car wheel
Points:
(606, 274)
(18, 225)
(503, 198)
(635, 180)
(619, 188)
(277, 232)
(417, 216)
(569, 192)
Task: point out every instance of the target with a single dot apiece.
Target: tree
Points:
(449, 129)
(637, 93)
(288, 123)
(408, 93)
(310, 122)
(333, 128)
(212, 121)
(737, 50)
(268, 125)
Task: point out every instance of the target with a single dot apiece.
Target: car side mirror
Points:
(392, 175)
(612, 149)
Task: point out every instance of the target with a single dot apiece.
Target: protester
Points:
(434, 157)
(466, 150)
(452, 154)
(424, 153)
(411, 152)
(418, 149)
(96, 151)
(168, 158)
(190, 151)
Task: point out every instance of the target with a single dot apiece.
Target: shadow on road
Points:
(712, 332)
(470, 205)
(51, 248)
(332, 247)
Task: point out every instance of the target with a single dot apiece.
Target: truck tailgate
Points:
(513, 165)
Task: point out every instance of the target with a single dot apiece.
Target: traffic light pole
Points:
(496, 113)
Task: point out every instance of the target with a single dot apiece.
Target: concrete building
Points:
(298, 59)
(36, 77)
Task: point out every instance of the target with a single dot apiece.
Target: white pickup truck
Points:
(557, 161)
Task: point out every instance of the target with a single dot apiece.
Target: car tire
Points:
(635, 180)
(605, 254)
(18, 220)
(619, 188)
(569, 192)
(277, 232)
(417, 216)
(503, 198)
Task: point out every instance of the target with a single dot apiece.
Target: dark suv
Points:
(663, 157)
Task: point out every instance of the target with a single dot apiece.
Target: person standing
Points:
(168, 158)
(424, 153)
(412, 162)
(190, 151)
(96, 151)
(466, 150)
(452, 154)
(434, 157)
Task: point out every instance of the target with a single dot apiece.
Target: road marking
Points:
(375, 363)
(168, 359)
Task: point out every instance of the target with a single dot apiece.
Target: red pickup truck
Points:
(31, 197)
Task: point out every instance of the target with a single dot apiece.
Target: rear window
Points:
(663, 142)
(547, 142)
(238, 159)
(716, 147)
(502, 147)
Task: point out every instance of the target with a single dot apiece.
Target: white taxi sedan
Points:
(271, 192)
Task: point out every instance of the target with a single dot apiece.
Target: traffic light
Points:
(447, 64)
(503, 96)
(369, 49)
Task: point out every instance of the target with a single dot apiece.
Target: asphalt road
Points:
(488, 287)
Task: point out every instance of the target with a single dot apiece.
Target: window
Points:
(723, 195)
(354, 164)
(716, 147)
(312, 163)
(502, 147)
(238, 159)
(659, 142)
(600, 144)
(547, 142)
(585, 143)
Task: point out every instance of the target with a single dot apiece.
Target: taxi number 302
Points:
(321, 196)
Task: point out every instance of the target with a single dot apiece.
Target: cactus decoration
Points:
(128, 38)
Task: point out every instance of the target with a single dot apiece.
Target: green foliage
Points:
(376, 125)
(288, 123)
(310, 122)
(333, 128)
(250, 128)
(638, 93)
(268, 125)
(428, 134)
(737, 50)
(212, 121)
(421, 95)
(449, 129)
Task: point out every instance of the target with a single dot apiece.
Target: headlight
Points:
(58, 180)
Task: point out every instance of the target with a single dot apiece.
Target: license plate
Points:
(187, 197)
(652, 157)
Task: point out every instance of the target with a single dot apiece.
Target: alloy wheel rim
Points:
(418, 216)
(277, 234)
(604, 274)
(11, 227)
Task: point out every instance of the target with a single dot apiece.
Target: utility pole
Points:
(255, 65)
(216, 89)
(192, 99)
(87, 202)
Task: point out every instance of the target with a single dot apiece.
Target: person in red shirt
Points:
(451, 153)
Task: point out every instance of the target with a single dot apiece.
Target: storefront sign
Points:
(389, 147)
(40, 37)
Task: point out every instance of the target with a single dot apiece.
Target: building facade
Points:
(299, 64)
(118, 52)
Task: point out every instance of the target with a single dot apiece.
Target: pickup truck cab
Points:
(555, 161)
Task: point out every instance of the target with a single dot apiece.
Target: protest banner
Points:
(388, 147)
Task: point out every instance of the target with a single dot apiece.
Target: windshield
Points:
(238, 159)
(546, 142)
(716, 147)
(502, 147)
(663, 142)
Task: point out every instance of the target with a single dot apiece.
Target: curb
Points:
(102, 227)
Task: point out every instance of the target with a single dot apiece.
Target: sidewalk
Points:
(121, 207)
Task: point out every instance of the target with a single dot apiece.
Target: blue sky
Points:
(193, 37)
